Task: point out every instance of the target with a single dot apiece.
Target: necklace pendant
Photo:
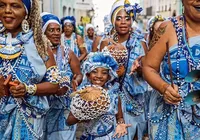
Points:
(10, 52)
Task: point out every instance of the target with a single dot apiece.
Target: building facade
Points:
(166, 8)
(61, 8)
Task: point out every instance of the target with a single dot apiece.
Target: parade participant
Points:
(100, 70)
(132, 85)
(89, 37)
(29, 65)
(71, 39)
(68, 65)
(174, 49)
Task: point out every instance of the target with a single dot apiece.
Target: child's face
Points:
(99, 76)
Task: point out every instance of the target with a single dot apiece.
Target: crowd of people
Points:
(122, 85)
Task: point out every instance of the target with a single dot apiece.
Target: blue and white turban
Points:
(101, 59)
(27, 5)
(89, 26)
(48, 18)
(68, 19)
(132, 10)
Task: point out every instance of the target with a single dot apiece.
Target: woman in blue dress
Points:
(89, 37)
(132, 85)
(71, 39)
(68, 65)
(100, 70)
(175, 47)
(25, 56)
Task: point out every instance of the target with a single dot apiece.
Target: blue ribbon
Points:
(134, 9)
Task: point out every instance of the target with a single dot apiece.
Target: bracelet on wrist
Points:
(120, 121)
(31, 89)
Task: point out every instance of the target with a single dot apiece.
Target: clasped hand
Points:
(171, 95)
(19, 90)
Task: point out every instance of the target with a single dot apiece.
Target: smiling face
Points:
(53, 33)
(12, 13)
(192, 9)
(123, 22)
(99, 76)
(90, 32)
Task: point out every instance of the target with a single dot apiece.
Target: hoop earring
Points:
(25, 25)
(115, 37)
(2, 28)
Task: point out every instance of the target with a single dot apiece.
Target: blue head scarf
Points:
(69, 19)
(48, 18)
(118, 5)
(27, 5)
(101, 59)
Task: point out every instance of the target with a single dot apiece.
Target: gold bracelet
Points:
(31, 89)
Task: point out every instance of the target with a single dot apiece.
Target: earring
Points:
(2, 28)
(183, 9)
(25, 25)
(130, 30)
(115, 37)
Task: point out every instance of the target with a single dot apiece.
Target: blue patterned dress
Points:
(23, 118)
(88, 44)
(72, 43)
(168, 122)
(133, 88)
(56, 127)
(103, 127)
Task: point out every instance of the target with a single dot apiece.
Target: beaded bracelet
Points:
(31, 89)
(120, 121)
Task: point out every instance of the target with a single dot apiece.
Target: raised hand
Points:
(121, 130)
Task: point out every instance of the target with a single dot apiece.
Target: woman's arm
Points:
(151, 62)
(81, 46)
(96, 43)
(121, 128)
(71, 120)
(104, 43)
(119, 115)
(75, 67)
(41, 89)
